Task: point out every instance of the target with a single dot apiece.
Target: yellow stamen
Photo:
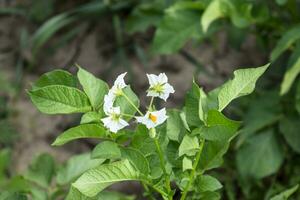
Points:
(153, 118)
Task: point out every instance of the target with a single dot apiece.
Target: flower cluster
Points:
(159, 87)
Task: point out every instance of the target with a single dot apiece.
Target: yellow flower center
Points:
(115, 117)
(118, 92)
(158, 88)
(152, 117)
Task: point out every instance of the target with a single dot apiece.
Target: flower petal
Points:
(119, 82)
(153, 79)
(162, 78)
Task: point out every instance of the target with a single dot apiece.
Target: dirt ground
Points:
(37, 131)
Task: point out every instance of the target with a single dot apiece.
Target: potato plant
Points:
(169, 151)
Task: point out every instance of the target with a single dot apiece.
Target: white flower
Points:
(116, 90)
(114, 122)
(159, 86)
(119, 84)
(108, 102)
(153, 119)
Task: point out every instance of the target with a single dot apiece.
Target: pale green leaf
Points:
(81, 131)
(288, 38)
(175, 127)
(242, 84)
(76, 166)
(107, 150)
(289, 77)
(136, 158)
(56, 77)
(95, 180)
(261, 156)
(213, 12)
(194, 106)
(187, 164)
(286, 194)
(91, 117)
(59, 99)
(188, 146)
(94, 88)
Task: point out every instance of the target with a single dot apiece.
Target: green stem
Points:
(150, 105)
(163, 166)
(149, 194)
(192, 174)
(127, 115)
(132, 104)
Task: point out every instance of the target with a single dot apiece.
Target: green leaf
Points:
(49, 28)
(175, 30)
(219, 127)
(207, 183)
(298, 97)
(143, 16)
(188, 146)
(56, 77)
(194, 104)
(286, 194)
(74, 194)
(289, 129)
(81, 131)
(94, 88)
(186, 164)
(261, 156)
(212, 13)
(95, 180)
(289, 77)
(208, 196)
(287, 39)
(12, 196)
(107, 150)
(242, 84)
(91, 117)
(59, 99)
(75, 167)
(137, 159)
(262, 111)
(175, 127)
(41, 170)
(212, 154)
(5, 160)
(125, 106)
(281, 2)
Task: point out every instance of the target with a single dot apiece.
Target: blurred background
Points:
(205, 40)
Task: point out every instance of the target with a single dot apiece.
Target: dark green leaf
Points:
(175, 30)
(41, 170)
(261, 156)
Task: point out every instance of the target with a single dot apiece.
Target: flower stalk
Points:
(192, 174)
